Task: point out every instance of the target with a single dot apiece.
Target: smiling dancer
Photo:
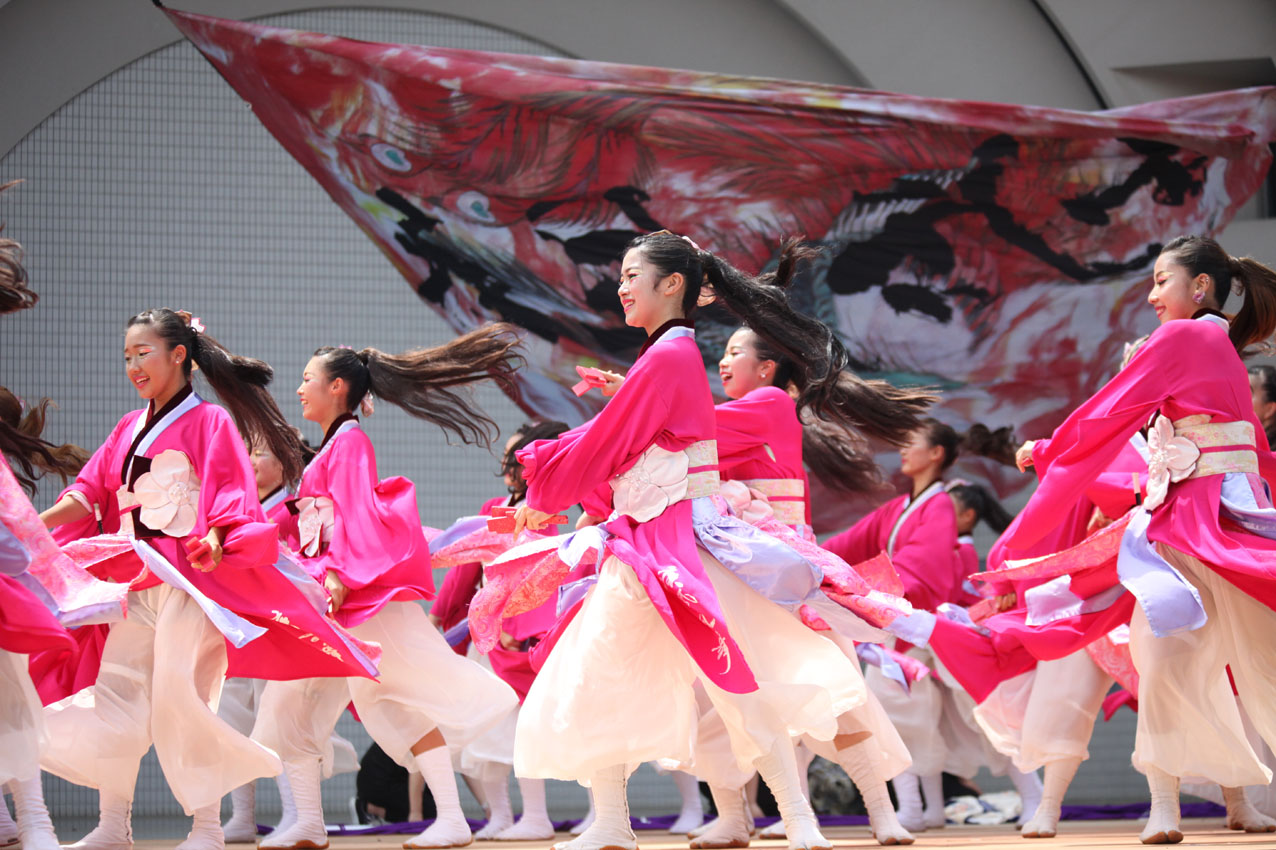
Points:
(1195, 554)
(175, 495)
(664, 612)
(362, 538)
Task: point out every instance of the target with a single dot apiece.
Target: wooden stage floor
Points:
(1072, 834)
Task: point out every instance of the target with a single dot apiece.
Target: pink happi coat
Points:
(194, 444)
(664, 401)
(1185, 368)
(366, 530)
(760, 437)
(925, 549)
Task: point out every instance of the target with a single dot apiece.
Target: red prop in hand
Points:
(502, 520)
(590, 378)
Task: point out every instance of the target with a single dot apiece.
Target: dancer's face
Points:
(1173, 288)
(1264, 407)
(740, 368)
(267, 469)
(648, 299)
(513, 480)
(154, 369)
(322, 399)
(918, 455)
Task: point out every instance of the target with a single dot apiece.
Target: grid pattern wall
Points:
(157, 187)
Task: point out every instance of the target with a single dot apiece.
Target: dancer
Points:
(362, 538)
(663, 612)
(1203, 585)
(1262, 387)
(173, 490)
(934, 717)
(489, 759)
(760, 441)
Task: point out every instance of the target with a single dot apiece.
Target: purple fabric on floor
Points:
(1130, 811)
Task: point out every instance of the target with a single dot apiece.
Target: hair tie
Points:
(191, 321)
(956, 482)
(365, 405)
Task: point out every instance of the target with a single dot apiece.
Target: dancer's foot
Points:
(495, 826)
(206, 831)
(1241, 814)
(444, 832)
(598, 838)
(891, 833)
(1163, 819)
(528, 829)
(934, 817)
(114, 830)
(240, 829)
(1043, 824)
(804, 834)
(688, 820)
(722, 832)
(299, 836)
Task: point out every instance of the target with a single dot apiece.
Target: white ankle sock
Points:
(307, 829)
(1028, 784)
(933, 789)
(1163, 820)
(691, 814)
(859, 767)
(733, 824)
(611, 827)
(496, 790)
(242, 826)
(114, 830)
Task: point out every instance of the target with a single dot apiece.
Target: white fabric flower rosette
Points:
(747, 503)
(168, 494)
(315, 521)
(656, 481)
(1170, 459)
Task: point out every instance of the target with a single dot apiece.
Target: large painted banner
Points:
(999, 252)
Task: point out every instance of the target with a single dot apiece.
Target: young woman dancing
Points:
(361, 537)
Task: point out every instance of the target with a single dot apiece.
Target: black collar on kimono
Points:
(332, 429)
(672, 323)
(155, 419)
(1210, 311)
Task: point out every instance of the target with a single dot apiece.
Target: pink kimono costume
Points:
(1199, 556)
(763, 480)
(41, 592)
(617, 689)
(162, 478)
(935, 716)
(368, 532)
(1047, 713)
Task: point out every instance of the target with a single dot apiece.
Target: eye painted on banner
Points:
(388, 157)
(475, 205)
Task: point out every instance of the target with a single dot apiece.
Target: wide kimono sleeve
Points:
(1090, 440)
(743, 424)
(563, 472)
(926, 555)
(863, 540)
(96, 484)
(376, 533)
(228, 496)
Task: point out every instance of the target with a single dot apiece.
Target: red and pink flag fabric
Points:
(999, 252)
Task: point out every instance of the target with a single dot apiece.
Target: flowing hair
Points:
(427, 382)
(240, 382)
(1256, 319)
(29, 453)
(817, 361)
(528, 433)
(14, 294)
(986, 507)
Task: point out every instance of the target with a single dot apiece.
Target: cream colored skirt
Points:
(619, 688)
(423, 685)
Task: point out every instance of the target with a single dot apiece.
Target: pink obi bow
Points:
(315, 522)
(1170, 459)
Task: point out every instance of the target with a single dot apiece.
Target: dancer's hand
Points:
(1005, 601)
(1023, 457)
(205, 553)
(613, 384)
(337, 591)
(529, 518)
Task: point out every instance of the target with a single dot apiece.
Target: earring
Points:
(1198, 296)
